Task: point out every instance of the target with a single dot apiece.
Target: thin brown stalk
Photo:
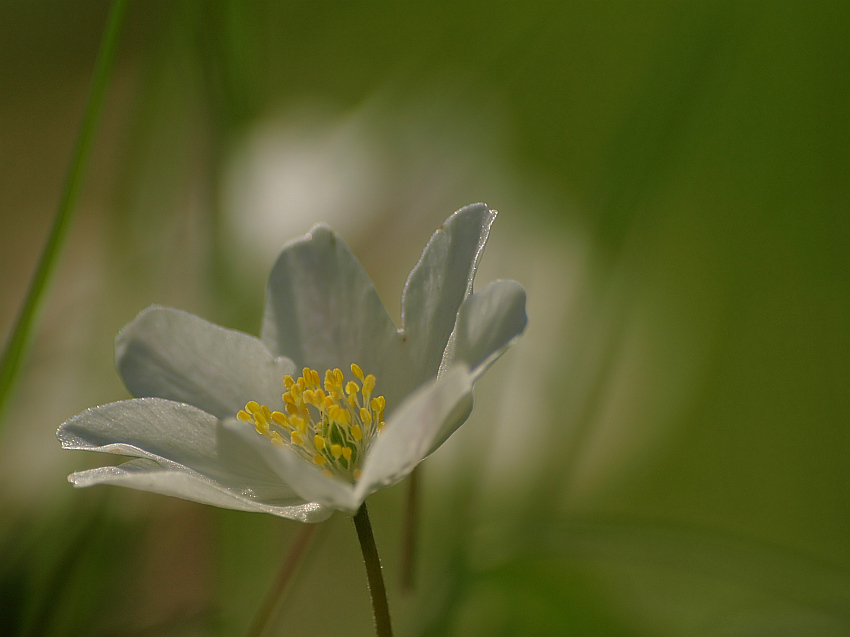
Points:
(279, 590)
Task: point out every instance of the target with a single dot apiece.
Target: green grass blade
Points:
(21, 334)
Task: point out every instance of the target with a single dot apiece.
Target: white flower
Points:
(222, 420)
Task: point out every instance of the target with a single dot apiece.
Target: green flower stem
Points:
(408, 554)
(21, 333)
(380, 607)
(277, 592)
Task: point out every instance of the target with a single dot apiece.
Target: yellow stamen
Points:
(368, 386)
(299, 423)
(326, 423)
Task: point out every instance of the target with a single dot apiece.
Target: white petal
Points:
(487, 324)
(440, 282)
(305, 478)
(147, 475)
(322, 311)
(172, 354)
(171, 432)
(419, 425)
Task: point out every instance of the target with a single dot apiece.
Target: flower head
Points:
(330, 404)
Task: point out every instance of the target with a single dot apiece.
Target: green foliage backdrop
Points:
(665, 453)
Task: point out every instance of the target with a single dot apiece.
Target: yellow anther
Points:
(368, 386)
(380, 426)
(327, 473)
(378, 403)
(326, 424)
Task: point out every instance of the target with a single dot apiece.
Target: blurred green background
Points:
(666, 450)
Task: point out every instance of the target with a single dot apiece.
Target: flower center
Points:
(330, 425)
